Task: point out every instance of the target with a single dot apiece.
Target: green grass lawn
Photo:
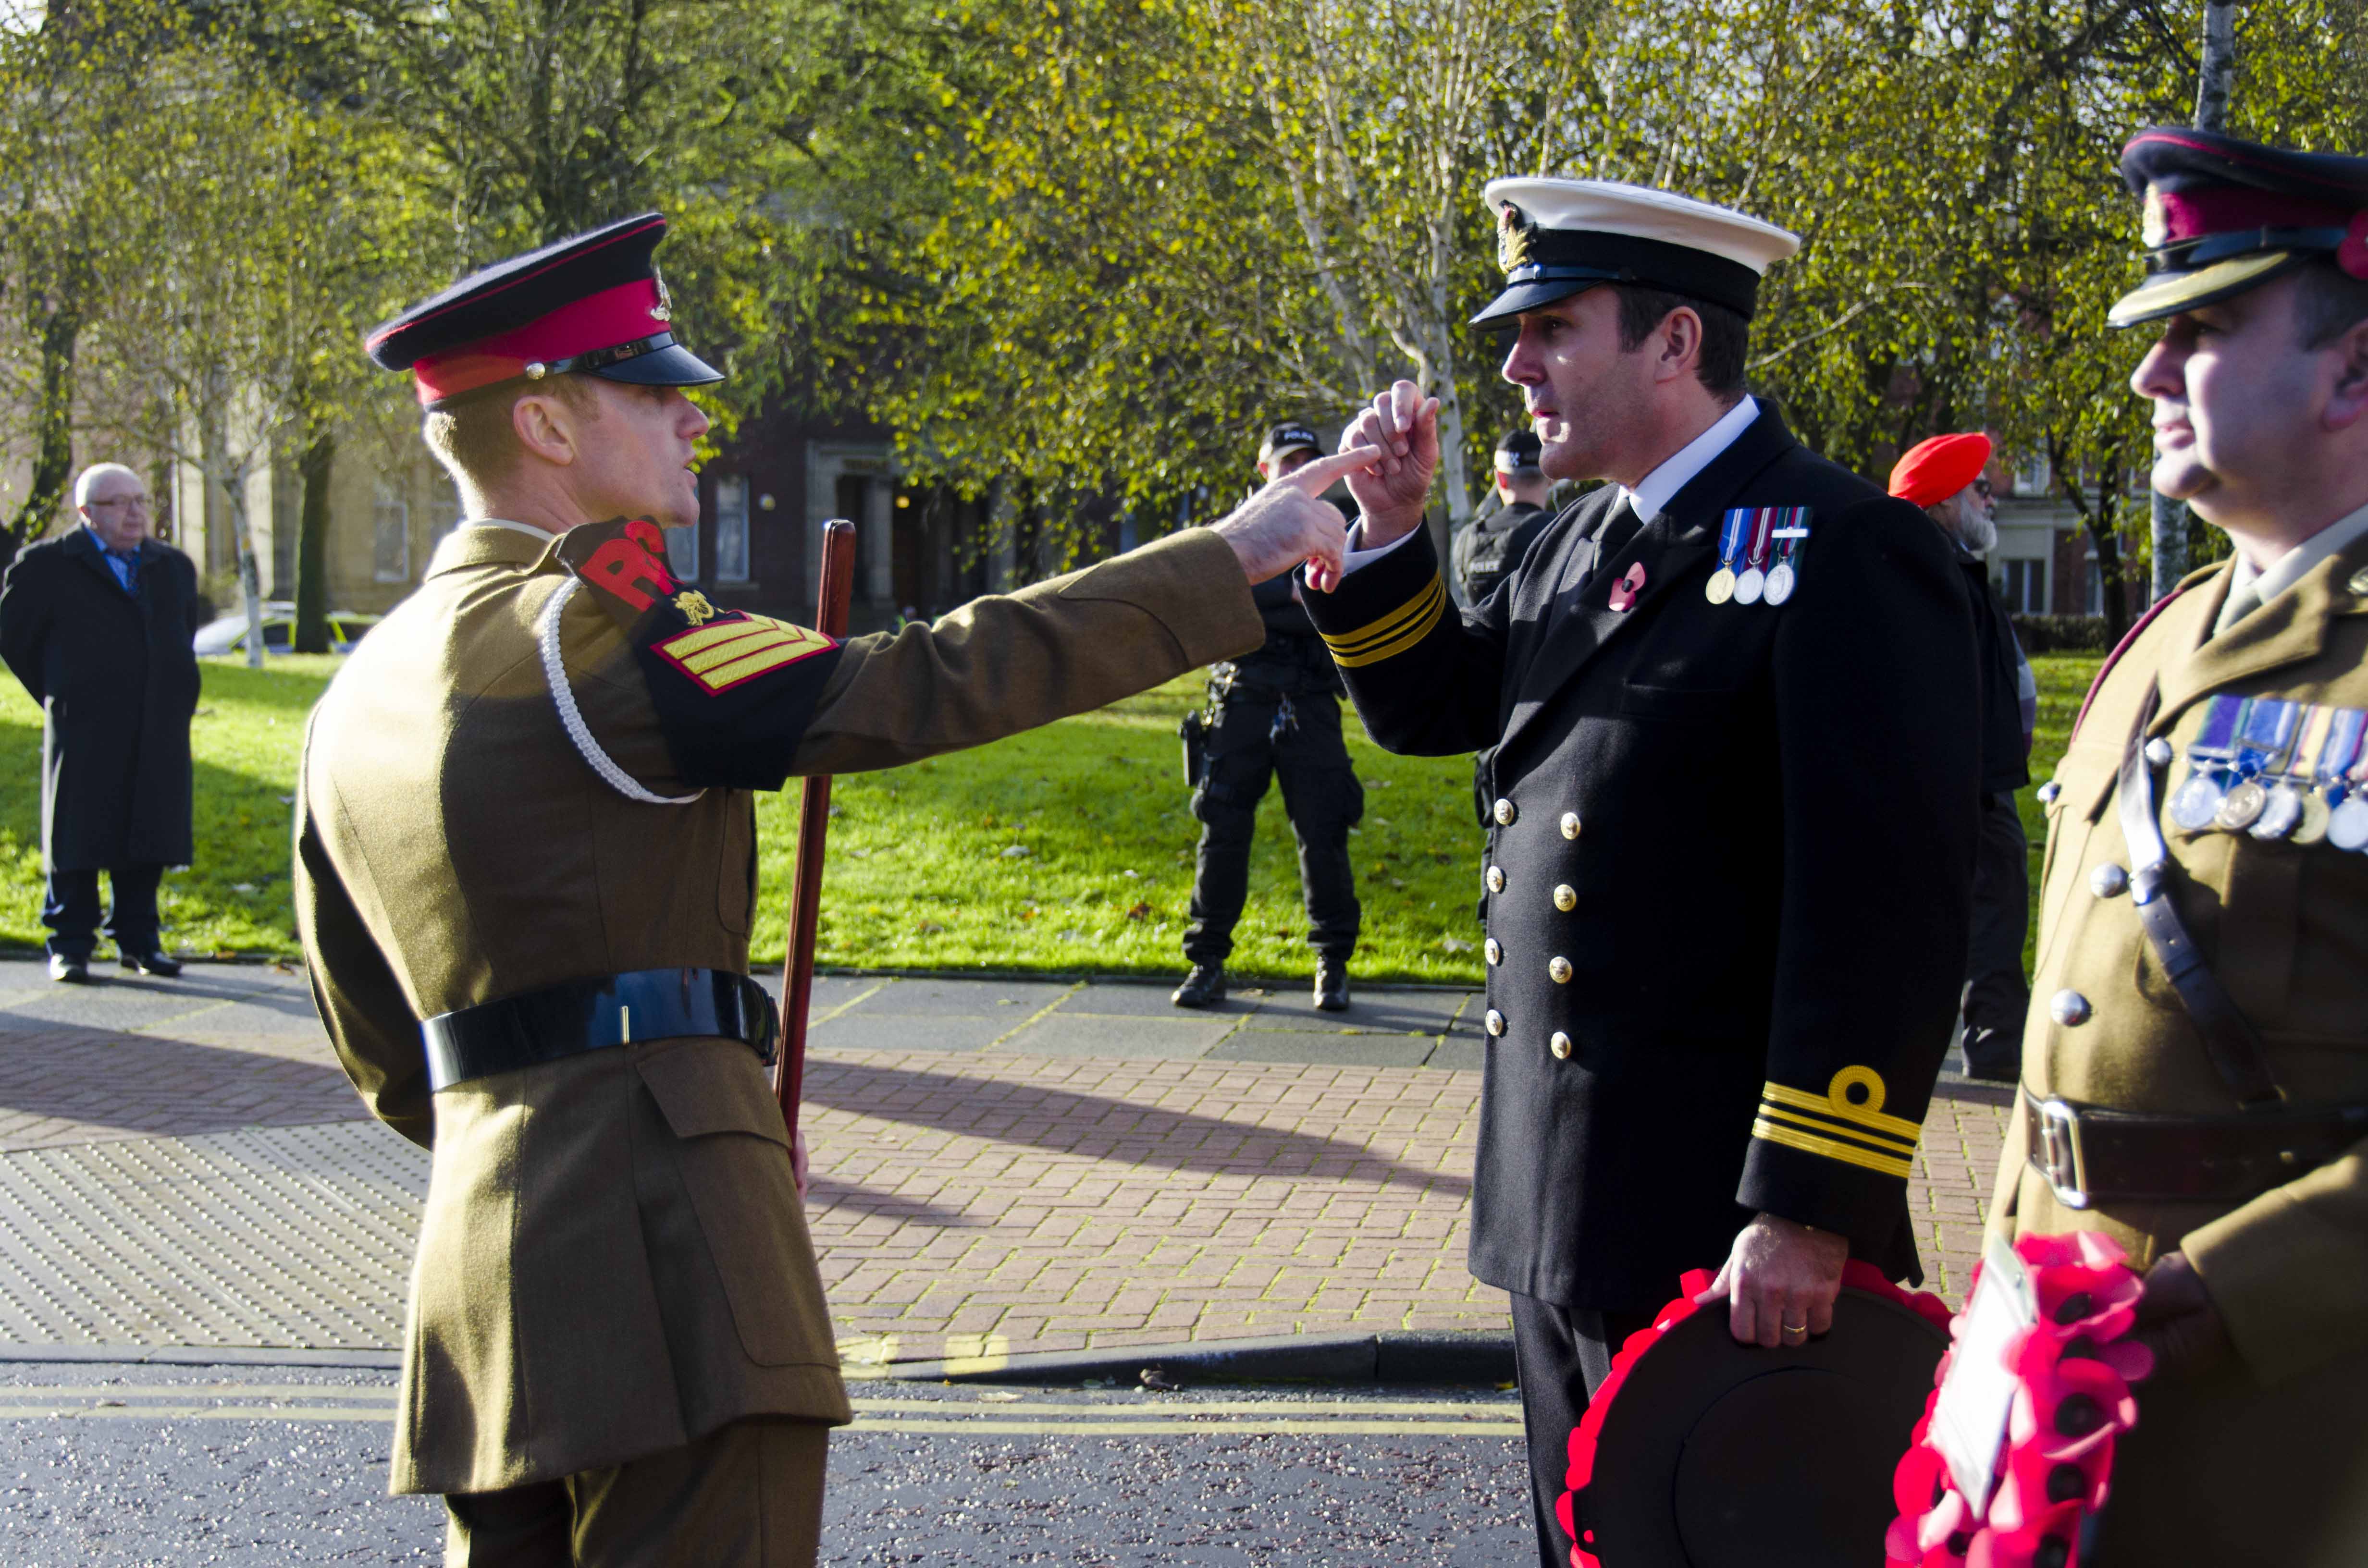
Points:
(922, 871)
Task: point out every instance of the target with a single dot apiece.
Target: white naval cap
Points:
(1557, 237)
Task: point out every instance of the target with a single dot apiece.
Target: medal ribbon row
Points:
(2278, 769)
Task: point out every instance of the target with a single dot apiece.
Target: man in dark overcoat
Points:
(1733, 695)
(98, 625)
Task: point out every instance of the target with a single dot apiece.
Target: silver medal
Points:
(2347, 827)
(1780, 584)
(2281, 814)
(2241, 807)
(2193, 807)
(1749, 586)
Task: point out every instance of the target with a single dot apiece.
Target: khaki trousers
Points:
(747, 1495)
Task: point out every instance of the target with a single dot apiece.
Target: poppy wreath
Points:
(2073, 1371)
(1856, 1274)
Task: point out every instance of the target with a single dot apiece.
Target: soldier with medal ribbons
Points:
(2195, 1067)
(1730, 854)
(525, 879)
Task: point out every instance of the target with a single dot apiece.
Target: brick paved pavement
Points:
(1000, 1165)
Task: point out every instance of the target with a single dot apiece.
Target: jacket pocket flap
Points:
(701, 1089)
(2084, 777)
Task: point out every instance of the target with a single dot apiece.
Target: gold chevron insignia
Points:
(1846, 1123)
(724, 653)
(1394, 633)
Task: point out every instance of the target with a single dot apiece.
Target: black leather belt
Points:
(2093, 1156)
(592, 1014)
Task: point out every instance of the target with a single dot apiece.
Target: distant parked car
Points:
(228, 634)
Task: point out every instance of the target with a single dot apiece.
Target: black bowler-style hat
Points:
(1558, 237)
(593, 304)
(2223, 216)
(1698, 1452)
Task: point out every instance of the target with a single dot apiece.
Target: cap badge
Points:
(2154, 223)
(664, 309)
(2352, 253)
(1514, 231)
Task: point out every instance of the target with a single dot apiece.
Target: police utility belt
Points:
(2091, 1154)
(577, 1015)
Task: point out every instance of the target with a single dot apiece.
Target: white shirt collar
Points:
(2295, 564)
(1653, 494)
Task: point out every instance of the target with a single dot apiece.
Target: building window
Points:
(2031, 476)
(2024, 585)
(2096, 581)
(682, 553)
(731, 528)
(390, 536)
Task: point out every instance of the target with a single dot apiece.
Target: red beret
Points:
(1935, 469)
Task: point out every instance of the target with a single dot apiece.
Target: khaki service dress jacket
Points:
(2243, 1468)
(613, 1261)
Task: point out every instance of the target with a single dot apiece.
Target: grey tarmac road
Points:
(111, 1466)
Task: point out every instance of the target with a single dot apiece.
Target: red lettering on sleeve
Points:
(620, 564)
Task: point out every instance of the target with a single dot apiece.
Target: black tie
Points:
(1617, 529)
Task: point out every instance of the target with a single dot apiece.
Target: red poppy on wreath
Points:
(2071, 1369)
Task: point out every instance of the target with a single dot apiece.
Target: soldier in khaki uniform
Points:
(525, 872)
(2195, 1070)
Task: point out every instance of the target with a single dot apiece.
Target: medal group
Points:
(1745, 539)
(2278, 769)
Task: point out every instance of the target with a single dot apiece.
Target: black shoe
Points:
(1331, 984)
(2000, 1070)
(69, 971)
(1204, 987)
(154, 963)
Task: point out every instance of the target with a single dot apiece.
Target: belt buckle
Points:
(2060, 1156)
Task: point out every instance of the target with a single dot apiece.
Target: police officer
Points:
(2195, 1070)
(525, 879)
(1485, 549)
(1733, 697)
(1274, 714)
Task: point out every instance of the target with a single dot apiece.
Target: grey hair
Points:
(86, 482)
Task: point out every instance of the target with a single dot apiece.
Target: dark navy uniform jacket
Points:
(1743, 833)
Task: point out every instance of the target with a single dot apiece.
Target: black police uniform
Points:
(1275, 714)
(1486, 549)
(1727, 883)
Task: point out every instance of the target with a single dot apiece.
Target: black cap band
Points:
(1557, 256)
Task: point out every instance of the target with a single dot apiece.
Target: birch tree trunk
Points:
(2212, 80)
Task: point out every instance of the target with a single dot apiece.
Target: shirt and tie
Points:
(2249, 589)
(124, 564)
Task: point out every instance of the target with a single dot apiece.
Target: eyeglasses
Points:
(1982, 488)
(118, 501)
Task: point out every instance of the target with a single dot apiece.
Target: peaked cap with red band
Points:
(1934, 469)
(2223, 216)
(593, 304)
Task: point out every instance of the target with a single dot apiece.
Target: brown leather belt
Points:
(2090, 1154)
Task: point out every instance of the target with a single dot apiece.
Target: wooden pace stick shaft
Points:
(814, 827)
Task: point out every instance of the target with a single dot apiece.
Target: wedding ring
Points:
(1796, 1327)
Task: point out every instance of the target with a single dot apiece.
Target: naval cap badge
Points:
(1514, 229)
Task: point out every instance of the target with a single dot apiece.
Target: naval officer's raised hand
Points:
(1285, 524)
(1402, 427)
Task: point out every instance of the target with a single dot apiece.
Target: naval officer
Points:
(2195, 1065)
(525, 879)
(1733, 695)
